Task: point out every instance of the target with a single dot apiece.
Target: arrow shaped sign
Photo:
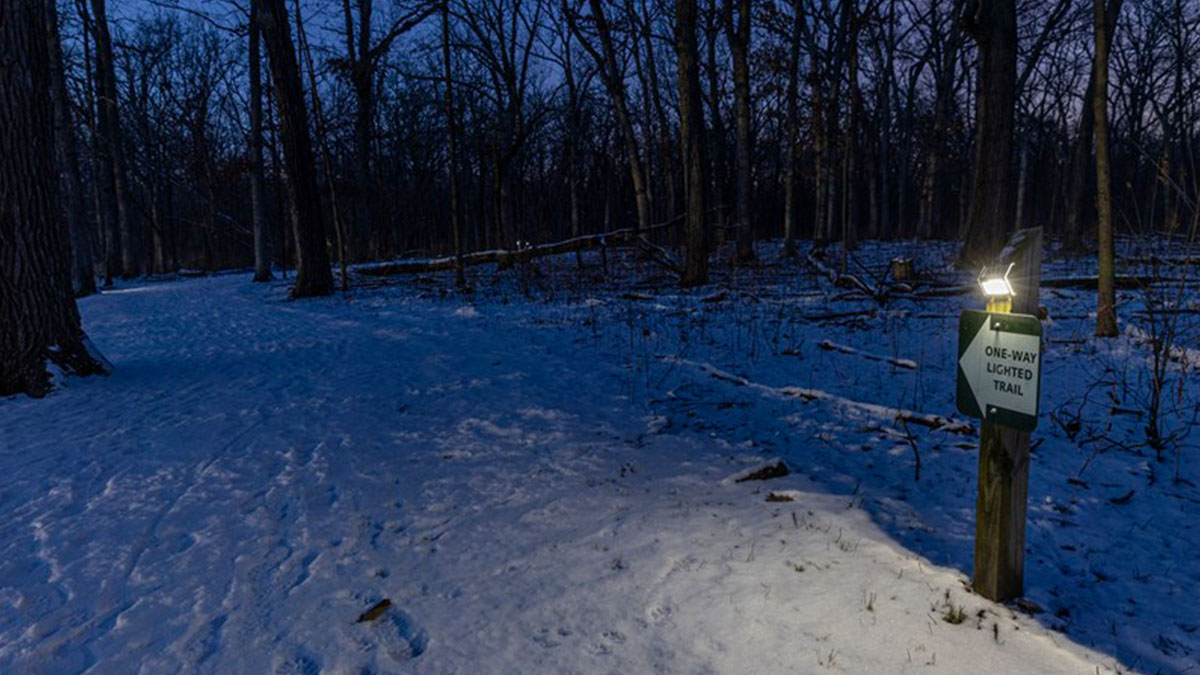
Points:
(999, 367)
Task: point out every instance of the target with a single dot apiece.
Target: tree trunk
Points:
(791, 152)
(933, 189)
(1078, 210)
(362, 78)
(110, 128)
(83, 274)
(313, 276)
(670, 176)
(102, 181)
(326, 155)
(39, 321)
(258, 210)
(718, 175)
(850, 139)
(691, 125)
(1106, 315)
(993, 24)
(739, 45)
(572, 132)
(616, 89)
(460, 278)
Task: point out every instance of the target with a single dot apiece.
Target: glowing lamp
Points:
(993, 287)
(998, 289)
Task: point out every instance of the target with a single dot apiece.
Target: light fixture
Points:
(998, 289)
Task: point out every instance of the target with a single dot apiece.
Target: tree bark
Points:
(1106, 315)
(83, 274)
(102, 181)
(850, 138)
(571, 140)
(110, 129)
(791, 151)
(460, 278)
(313, 276)
(993, 25)
(717, 159)
(738, 35)
(39, 321)
(258, 210)
(933, 186)
(611, 75)
(1078, 211)
(691, 124)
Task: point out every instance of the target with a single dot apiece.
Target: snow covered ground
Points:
(545, 484)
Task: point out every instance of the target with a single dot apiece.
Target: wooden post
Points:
(1004, 454)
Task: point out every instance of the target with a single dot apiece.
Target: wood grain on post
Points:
(1004, 454)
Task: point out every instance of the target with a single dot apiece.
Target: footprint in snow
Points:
(396, 635)
(660, 614)
(297, 664)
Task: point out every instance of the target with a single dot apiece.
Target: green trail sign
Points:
(999, 367)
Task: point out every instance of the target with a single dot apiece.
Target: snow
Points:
(538, 486)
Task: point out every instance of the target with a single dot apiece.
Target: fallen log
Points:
(509, 257)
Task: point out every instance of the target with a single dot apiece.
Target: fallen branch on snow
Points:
(505, 257)
(930, 420)
(831, 346)
(839, 280)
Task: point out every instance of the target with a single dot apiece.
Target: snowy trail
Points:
(256, 473)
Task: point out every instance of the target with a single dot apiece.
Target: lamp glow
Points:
(994, 286)
(998, 290)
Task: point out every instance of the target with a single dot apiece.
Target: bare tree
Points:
(452, 151)
(262, 261)
(614, 83)
(111, 140)
(361, 65)
(313, 276)
(1078, 211)
(1106, 315)
(791, 132)
(738, 34)
(691, 125)
(993, 25)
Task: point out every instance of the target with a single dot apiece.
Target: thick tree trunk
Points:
(739, 44)
(258, 210)
(313, 276)
(691, 125)
(83, 274)
(39, 322)
(102, 182)
(1106, 315)
(362, 78)
(993, 24)
(110, 128)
